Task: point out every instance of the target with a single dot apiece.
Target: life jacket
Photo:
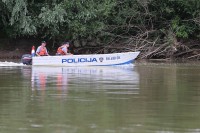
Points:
(42, 51)
(60, 51)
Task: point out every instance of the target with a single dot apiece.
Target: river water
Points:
(140, 98)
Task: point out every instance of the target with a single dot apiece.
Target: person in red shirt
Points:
(42, 50)
(63, 49)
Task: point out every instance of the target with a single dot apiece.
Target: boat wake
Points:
(10, 64)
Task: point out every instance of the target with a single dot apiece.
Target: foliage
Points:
(179, 15)
(103, 20)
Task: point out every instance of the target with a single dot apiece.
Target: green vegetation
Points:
(158, 28)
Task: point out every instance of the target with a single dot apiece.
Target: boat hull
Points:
(86, 60)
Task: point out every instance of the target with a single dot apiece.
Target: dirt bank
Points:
(16, 54)
(15, 48)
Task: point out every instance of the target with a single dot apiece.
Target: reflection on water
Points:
(112, 80)
(149, 97)
(81, 99)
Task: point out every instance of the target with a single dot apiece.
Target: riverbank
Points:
(14, 49)
(15, 54)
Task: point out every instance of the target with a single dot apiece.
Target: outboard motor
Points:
(27, 59)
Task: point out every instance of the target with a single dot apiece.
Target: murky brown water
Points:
(149, 97)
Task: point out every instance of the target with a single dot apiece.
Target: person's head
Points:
(66, 44)
(43, 43)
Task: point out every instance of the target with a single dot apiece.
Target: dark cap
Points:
(43, 42)
(66, 43)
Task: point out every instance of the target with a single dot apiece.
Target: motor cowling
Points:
(27, 59)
